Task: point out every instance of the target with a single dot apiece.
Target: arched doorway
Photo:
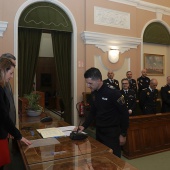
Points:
(74, 51)
(156, 44)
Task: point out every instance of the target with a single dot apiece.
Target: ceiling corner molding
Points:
(3, 27)
(109, 41)
(145, 6)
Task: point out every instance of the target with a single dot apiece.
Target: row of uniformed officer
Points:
(143, 81)
(147, 92)
(148, 97)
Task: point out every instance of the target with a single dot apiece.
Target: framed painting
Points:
(154, 64)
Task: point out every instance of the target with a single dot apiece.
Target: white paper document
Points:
(56, 132)
(66, 129)
(51, 132)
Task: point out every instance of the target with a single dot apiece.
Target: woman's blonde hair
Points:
(5, 65)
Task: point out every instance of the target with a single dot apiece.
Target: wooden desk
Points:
(95, 161)
(147, 134)
(84, 154)
(71, 149)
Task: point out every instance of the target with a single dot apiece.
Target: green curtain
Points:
(62, 54)
(28, 52)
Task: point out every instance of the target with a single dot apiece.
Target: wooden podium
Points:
(147, 134)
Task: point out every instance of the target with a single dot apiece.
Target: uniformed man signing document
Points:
(109, 110)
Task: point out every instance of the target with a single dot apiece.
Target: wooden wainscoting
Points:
(147, 134)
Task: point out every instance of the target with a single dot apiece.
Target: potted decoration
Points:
(33, 108)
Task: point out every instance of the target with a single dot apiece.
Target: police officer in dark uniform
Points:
(143, 81)
(165, 95)
(148, 98)
(111, 82)
(109, 111)
(132, 82)
(129, 95)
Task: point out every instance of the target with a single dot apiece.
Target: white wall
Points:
(46, 49)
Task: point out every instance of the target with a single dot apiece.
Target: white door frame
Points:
(73, 56)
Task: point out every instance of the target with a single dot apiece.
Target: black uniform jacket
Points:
(108, 109)
(143, 82)
(133, 85)
(165, 95)
(114, 83)
(6, 124)
(130, 99)
(147, 101)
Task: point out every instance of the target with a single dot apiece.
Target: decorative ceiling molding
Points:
(109, 41)
(3, 27)
(145, 6)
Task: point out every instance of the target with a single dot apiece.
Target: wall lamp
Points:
(113, 55)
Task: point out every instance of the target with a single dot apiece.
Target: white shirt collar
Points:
(150, 89)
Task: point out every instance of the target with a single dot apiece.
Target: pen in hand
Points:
(78, 127)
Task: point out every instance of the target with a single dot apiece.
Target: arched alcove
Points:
(74, 49)
(156, 33)
(156, 45)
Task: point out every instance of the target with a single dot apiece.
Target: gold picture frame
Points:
(154, 64)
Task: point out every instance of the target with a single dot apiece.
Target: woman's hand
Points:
(10, 136)
(27, 142)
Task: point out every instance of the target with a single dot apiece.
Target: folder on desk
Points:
(50, 132)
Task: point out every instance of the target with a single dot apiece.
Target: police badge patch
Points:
(121, 100)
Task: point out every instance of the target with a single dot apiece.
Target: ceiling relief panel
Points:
(112, 18)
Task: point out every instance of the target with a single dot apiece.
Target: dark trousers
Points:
(110, 137)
